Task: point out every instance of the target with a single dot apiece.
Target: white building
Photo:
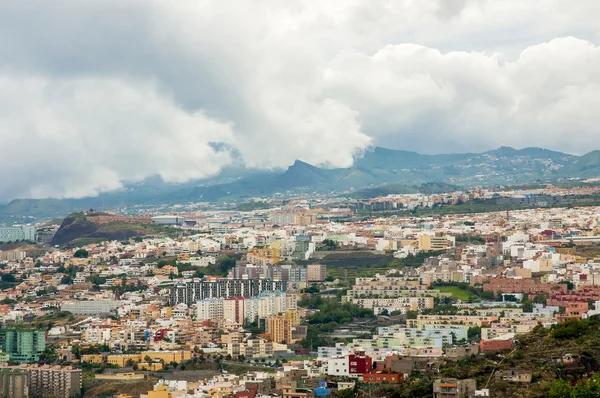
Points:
(210, 309)
(19, 232)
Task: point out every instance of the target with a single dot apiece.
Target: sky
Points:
(100, 92)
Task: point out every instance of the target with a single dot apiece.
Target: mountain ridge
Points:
(376, 167)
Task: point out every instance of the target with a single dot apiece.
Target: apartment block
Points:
(100, 307)
(210, 309)
(20, 232)
(13, 382)
(316, 272)
(279, 329)
(42, 381)
(193, 290)
(23, 345)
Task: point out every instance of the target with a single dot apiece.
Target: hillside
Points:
(398, 189)
(560, 360)
(375, 169)
(542, 352)
(78, 229)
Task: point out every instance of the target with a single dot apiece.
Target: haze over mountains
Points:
(378, 167)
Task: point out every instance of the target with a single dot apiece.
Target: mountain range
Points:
(376, 168)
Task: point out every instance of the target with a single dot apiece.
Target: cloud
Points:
(97, 94)
(82, 136)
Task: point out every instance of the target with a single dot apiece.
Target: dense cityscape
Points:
(304, 299)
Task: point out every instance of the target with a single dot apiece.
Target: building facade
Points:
(23, 345)
(20, 232)
(191, 291)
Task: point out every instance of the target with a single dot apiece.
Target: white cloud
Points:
(118, 91)
(78, 137)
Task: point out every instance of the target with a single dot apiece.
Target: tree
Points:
(384, 312)
(411, 314)
(49, 355)
(474, 333)
(148, 360)
(81, 253)
(330, 244)
(8, 278)
(540, 299)
(527, 305)
(76, 350)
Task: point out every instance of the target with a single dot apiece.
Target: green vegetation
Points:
(353, 264)
(252, 205)
(77, 228)
(220, 268)
(464, 289)
(331, 315)
(456, 291)
(585, 388)
(81, 253)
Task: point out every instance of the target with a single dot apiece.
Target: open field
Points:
(457, 292)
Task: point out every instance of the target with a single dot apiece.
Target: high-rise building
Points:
(233, 310)
(23, 345)
(279, 328)
(194, 290)
(19, 232)
(14, 382)
(41, 381)
(12, 255)
(210, 309)
(316, 272)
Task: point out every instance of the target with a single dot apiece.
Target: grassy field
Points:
(457, 292)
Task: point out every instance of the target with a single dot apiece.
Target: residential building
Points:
(279, 329)
(14, 382)
(23, 345)
(12, 255)
(193, 290)
(454, 388)
(210, 309)
(316, 272)
(43, 380)
(89, 307)
(17, 233)
(233, 310)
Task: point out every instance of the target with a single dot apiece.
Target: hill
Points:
(79, 229)
(586, 166)
(560, 361)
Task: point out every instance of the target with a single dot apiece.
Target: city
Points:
(299, 199)
(303, 301)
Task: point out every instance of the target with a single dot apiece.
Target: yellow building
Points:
(305, 219)
(293, 317)
(155, 366)
(93, 358)
(155, 356)
(120, 376)
(279, 329)
(160, 392)
(121, 360)
(264, 255)
(166, 270)
(432, 243)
